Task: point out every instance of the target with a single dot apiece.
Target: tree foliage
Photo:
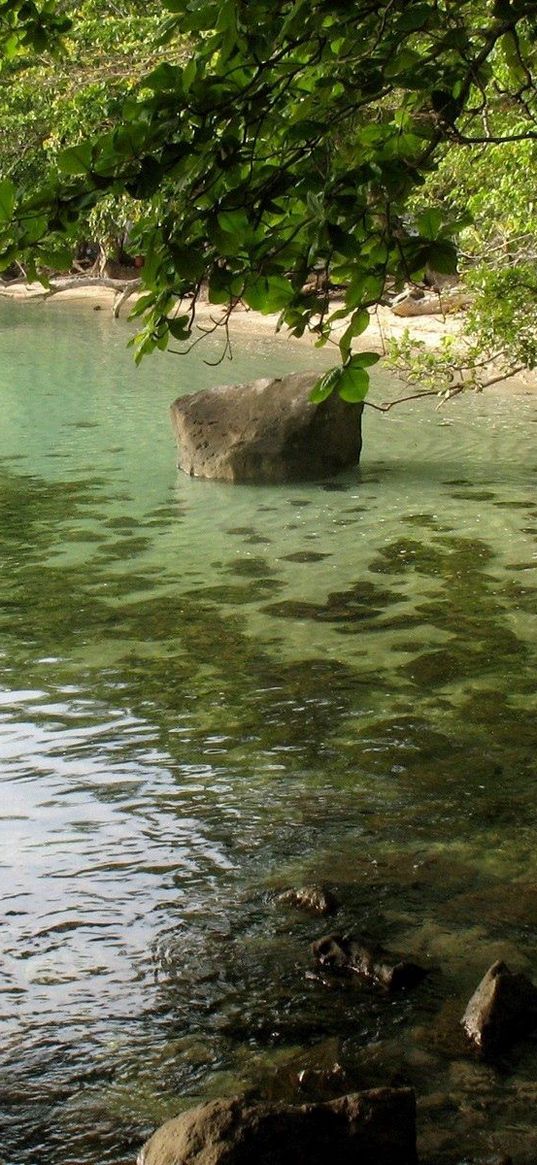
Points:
(298, 136)
(27, 25)
(48, 103)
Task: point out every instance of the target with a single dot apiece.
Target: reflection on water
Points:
(209, 693)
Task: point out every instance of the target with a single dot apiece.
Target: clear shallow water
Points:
(208, 693)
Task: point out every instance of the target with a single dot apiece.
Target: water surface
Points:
(209, 693)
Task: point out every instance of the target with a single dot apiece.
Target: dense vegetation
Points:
(245, 145)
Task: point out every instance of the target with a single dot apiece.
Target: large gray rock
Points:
(363, 1128)
(502, 1008)
(266, 430)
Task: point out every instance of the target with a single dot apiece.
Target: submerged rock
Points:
(322, 1081)
(266, 430)
(375, 1128)
(495, 1159)
(502, 1008)
(367, 960)
(313, 899)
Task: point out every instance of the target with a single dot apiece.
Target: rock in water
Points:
(344, 955)
(373, 1128)
(266, 431)
(502, 1008)
(312, 899)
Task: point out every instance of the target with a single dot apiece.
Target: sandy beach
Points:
(428, 329)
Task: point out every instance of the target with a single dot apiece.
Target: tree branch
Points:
(124, 288)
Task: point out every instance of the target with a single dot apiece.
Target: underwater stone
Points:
(266, 430)
(495, 1159)
(367, 960)
(502, 1008)
(375, 1128)
(314, 899)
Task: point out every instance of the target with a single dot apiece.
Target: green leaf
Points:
(35, 227)
(364, 289)
(354, 383)
(233, 222)
(189, 74)
(326, 385)
(359, 323)
(268, 293)
(141, 305)
(188, 262)
(416, 17)
(76, 159)
(58, 258)
(365, 359)
(7, 199)
(404, 61)
(511, 53)
(445, 104)
(178, 327)
(219, 287)
(165, 77)
(430, 222)
(442, 257)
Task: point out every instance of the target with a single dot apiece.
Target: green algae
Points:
(238, 594)
(406, 554)
(251, 567)
(426, 520)
(305, 556)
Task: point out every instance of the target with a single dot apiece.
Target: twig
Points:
(385, 408)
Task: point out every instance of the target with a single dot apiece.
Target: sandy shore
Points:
(384, 324)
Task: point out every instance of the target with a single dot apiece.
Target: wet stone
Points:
(342, 955)
(501, 1010)
(312, 899)
(376, 1126)
(266, 431)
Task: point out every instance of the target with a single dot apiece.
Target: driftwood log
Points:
(124, 288)
(430, 303)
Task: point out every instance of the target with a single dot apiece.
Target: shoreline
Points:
(384, 326)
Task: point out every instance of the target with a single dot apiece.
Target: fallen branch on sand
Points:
(124, 288)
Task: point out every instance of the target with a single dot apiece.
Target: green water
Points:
(209, 693)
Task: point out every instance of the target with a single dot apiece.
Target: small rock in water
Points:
(314, 899)
(318, 1081)
(495, 1159)
(502, 1008)
(341, 954)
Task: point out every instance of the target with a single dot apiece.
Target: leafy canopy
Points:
(291, 141)
(29, 25)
